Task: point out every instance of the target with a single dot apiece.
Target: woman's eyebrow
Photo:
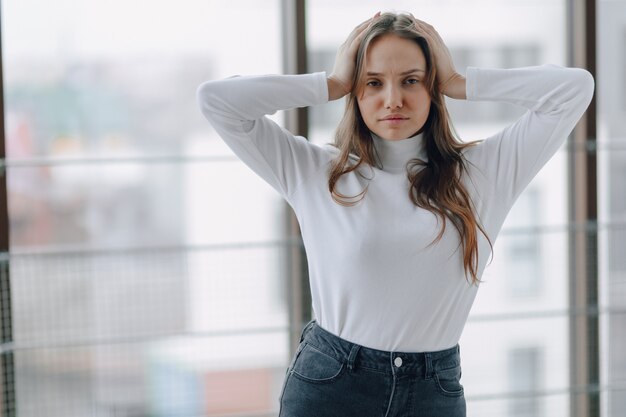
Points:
(404, 73)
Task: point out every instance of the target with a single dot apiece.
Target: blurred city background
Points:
(150, 273)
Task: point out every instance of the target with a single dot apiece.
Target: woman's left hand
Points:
(449, 80)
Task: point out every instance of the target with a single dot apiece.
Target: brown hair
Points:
(437, 187)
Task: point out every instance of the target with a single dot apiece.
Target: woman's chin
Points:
(397, 134)
(393, 135)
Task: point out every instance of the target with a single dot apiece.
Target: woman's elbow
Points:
(207, 98)
(583, 84)
(218, 103)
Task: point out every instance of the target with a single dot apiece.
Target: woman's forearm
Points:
(335, 89)
(245, 98)
(455, 88)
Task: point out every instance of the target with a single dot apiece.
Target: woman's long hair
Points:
(437, 187)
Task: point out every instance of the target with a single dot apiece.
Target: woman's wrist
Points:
(455, 87)
(336, 90)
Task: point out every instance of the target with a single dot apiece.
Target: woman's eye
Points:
(413, 81)
(373, 83)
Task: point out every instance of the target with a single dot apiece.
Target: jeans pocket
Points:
(313, 365)
(295, 357)
(449, 381)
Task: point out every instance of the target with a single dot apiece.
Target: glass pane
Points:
(119, 78)
(509, 284)
(522, 371)
(78, 297)
(528, 276)
(134, 204)
(178, 376)
(611, 104)
(148, 264)
(552, 405)
(175, 322)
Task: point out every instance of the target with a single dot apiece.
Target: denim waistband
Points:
(357, 356)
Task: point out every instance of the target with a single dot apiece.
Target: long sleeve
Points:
(237, 109)
(556, 97)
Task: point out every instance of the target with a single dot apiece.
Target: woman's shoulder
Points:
(476, 156)
(332, 152)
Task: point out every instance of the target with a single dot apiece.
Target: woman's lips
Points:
(395, 121)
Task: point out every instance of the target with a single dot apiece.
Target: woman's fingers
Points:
(425, 28)
(344, 67)
(443, 59)
(361, 28)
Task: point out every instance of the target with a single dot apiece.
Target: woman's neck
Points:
(394, 154)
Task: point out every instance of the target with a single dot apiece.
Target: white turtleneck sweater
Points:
(373, 279)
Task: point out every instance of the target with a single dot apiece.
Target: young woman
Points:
(392, 282)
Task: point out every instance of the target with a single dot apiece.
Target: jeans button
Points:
(398, 361)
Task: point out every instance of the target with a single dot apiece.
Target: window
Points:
(136, 291)
(525, 377)
(611, 154)
(134, 245)
(523, 280)
(523, 248)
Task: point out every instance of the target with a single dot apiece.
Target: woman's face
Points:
(392, 98)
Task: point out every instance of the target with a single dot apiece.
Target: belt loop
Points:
(429, 365)
(352, 356)
(304, 330)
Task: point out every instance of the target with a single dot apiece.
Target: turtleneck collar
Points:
(394, 154)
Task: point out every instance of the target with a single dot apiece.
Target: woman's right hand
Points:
(340, 79)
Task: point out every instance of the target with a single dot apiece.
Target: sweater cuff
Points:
(471, 83)
(322, 87)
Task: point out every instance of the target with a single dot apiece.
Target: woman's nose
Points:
(393, 98)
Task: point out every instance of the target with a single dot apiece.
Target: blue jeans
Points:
(331, 377)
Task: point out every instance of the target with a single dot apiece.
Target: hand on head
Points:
(446, 72)
(341, 78)
(345, 61)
